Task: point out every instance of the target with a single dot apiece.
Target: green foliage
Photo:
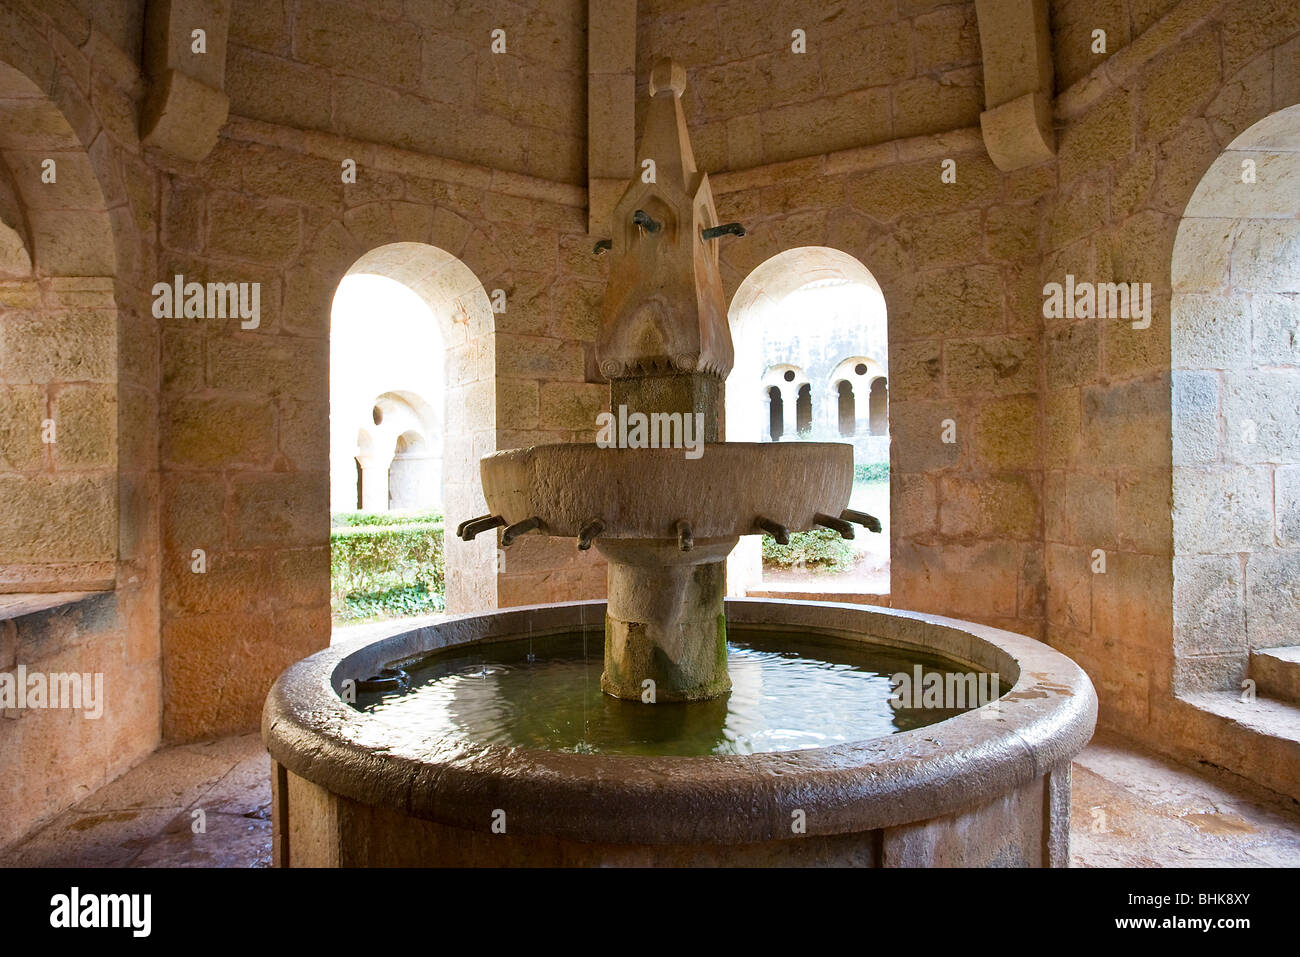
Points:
(409, 517)
(875, 472)
(400, 602)
(386, 569)
(821, 548)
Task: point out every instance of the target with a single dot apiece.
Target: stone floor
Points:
(147, 817)
(1130, 809)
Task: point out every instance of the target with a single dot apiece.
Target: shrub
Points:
(821, 548)
(875, 472)
(386, 569)
(412, 517)
(402, 601)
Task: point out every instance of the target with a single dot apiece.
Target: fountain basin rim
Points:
(641, 493)
(1046, 718)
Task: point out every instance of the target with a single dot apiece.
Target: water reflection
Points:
(787, 694)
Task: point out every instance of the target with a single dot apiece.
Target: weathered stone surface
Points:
(993, 366)
(999, 506)
(1195, 418)
(1261, 417)
(1220, 510)
(1276, 329)
(484, 155)
(1073, 354)
(226, 431)
(21, 447)
(1286, 508)
(1273, 597)
(1209, 604)
(1006, 433)
(85, 419)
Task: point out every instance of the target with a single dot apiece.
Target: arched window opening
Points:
(1235, 415)
(776, 414)
(847, 408)
(878, 407)
(403, 316)
(413, 477)
(810, 336)
(803, 411)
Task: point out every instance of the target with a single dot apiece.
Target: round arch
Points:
(465, 419)
(767, 344)
(1235, 403)
(58, 362)
(57, 210)
(755, 303)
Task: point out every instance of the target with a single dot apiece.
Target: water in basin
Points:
(788, 693)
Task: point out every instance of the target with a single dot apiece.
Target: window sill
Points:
(29, 603)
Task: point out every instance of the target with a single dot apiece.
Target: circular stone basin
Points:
(642, 493)
(787, 694)
(987, 786)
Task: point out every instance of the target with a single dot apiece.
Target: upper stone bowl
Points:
(643, 493)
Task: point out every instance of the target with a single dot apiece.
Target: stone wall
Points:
(1075, 22)
(1061, 428)
(962, 305)
(1236, 409)
(78, 345)
(245, 437)
(422, 76)
(874, 70)
(1136, 137)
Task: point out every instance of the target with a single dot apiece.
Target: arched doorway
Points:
(415, 476)
(411, 370)
(1235, 351)
(810, 336)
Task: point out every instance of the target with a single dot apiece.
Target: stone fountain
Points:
(664, 522)
(983, 785)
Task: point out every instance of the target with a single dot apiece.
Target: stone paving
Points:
(146, 818)
(1131, 809)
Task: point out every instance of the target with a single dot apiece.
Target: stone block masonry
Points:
(1067, 435)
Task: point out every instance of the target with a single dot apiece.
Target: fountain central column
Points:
(665, 622)
(666, 348)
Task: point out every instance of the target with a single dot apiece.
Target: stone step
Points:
(1277, 672)
(1263, 733)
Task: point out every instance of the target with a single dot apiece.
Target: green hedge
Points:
(386, 569)
(821, 548)
(875, 472)
(412, 517)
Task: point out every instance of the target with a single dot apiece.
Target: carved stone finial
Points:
(668, 76)
(664, 313)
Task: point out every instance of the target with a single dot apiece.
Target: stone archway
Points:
(1235, 351)
(811, 400)
(79, 498)
(459, 304)
(58, 353)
